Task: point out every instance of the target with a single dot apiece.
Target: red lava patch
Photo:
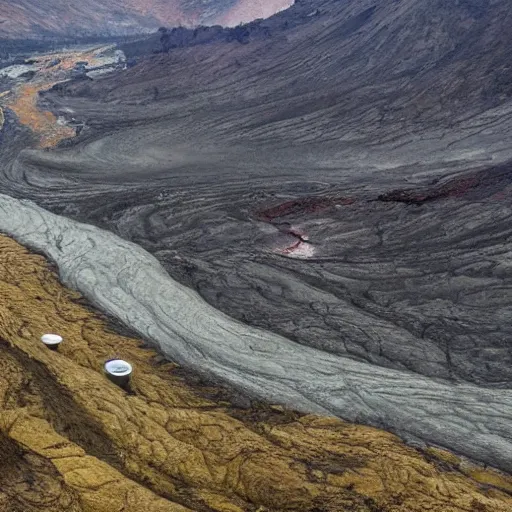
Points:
(301, 247)
(493, 182)
(301, 206)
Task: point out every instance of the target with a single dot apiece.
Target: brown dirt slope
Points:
(70, 440)
(245, 11)
(31, 18)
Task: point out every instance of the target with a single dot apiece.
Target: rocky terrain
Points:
(73, 441)
(125, 281)
(192, 178)
(315, 210)
(32, 18)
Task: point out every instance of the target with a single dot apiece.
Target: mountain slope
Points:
(32, 18)
(72, 441)
(338, 99)
(340, 175)
(248, 10)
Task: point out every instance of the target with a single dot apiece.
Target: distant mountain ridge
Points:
(31, 18)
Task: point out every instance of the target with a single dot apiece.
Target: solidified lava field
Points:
(334, 181)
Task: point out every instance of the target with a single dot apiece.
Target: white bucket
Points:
(118, 371)
(52, 341)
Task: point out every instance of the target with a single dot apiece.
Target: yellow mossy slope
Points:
(71, 440)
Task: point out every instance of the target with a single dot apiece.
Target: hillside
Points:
(315, 209)
(72, 441)
(32, 18)
(328, 106)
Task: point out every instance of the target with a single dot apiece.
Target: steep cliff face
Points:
(32, 18)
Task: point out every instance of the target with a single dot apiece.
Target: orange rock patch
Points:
(42, 123)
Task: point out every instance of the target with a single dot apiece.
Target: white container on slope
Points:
(52, 341)
(118, 371)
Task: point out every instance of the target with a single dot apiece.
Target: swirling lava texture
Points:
(341, 181)
(129, 283)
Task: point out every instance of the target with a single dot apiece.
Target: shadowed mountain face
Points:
(32, 18)
(339, 174)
